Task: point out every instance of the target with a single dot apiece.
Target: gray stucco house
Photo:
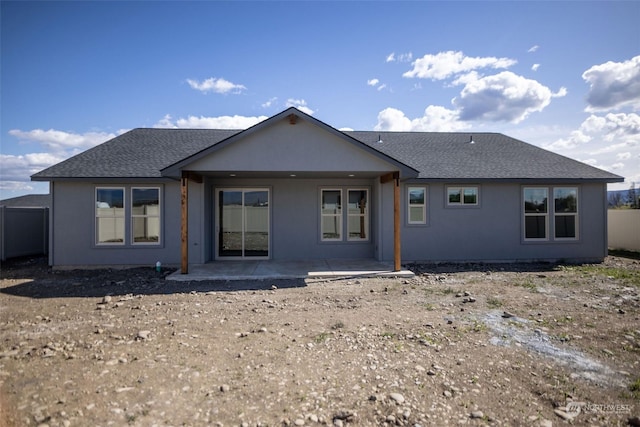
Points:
(293, 187)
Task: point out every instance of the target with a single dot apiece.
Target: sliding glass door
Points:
(243, 223)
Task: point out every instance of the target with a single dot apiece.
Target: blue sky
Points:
(561, 75)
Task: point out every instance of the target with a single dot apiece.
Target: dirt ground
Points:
(524, 344)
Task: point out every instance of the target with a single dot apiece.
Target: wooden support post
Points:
(396, 222)
(395, 177)
(184, 223)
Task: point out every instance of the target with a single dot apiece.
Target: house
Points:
(293, 187)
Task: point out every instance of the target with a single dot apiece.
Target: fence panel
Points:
(624, 229)
(23, 231)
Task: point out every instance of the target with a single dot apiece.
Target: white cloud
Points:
(622, 128)
(57, 140)
(217, 85)
(382, 86)
(373, 82)
(60, 145)
(613, 85)
(533, 48)
(435, 119)
(270, 102)
(535, 67)
(202, 122)
(19, 168)
(403, 57)
(300, 104)
(447, 64)
(502, 97)
(610, 142)
(15, 186)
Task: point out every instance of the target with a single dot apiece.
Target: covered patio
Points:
(291, 269)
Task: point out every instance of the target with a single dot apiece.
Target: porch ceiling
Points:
(293, 174)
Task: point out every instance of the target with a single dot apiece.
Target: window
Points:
(417, 211)
(145, 215)
(358, 215)
(336, 222)
(331, 214)
(537, 216)
(110, 216)
(565, 202)
(457, 196)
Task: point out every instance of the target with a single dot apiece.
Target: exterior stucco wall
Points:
(73, 228)
(493, 231)
(295, 213)
(490, 232)
(285, 147)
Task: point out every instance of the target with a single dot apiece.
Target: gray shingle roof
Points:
(28, 201)
(143, 153)
(139, 153)
(439, 155)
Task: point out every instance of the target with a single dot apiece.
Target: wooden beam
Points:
(396, 223)
(387, 177)
(184, 223)
(192, 176)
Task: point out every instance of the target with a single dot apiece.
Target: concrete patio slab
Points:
(294, 269)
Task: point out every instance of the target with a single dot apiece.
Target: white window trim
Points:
(366, 215)
(574, 214)
(96, 229)
(551, 214)
(335, 215)
(532, 214)
(462, 188)
(159, 216)
(423, 205)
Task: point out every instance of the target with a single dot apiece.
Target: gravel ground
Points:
(510, 344)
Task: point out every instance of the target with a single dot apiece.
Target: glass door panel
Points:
(230, 236)
(256, 223)
(243, 223)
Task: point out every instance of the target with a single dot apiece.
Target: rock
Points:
(476, 414)
(106, 299)
(298, 422)
(507, 315)
(545, 423)
(446, 393)
(397, 397)
(567, 416)
(224, 388)
(143, 335)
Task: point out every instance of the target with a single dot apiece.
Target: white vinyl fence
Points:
(23, 231)
(624, 229)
